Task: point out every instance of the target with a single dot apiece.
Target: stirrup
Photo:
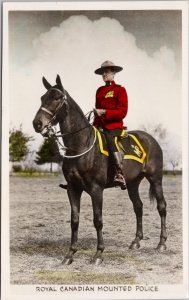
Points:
(63, 186)
(120, 181)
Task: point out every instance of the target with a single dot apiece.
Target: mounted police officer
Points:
(110, 110)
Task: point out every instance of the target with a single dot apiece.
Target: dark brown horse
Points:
(85, 169)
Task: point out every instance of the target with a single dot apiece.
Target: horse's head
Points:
(51, 105)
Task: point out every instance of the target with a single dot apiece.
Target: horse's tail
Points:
(152, 195)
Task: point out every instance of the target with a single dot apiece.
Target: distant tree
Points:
(156, 130)
(160, 134)
(48, 153)
(175, 158)
(29, 164)
(171, 152)
(18, 144)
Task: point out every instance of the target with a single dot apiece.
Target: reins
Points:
(73, 132)
(86, 151)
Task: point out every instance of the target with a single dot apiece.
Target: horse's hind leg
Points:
(138, 209)
(156, 190)
(74, 197)
(97, 200)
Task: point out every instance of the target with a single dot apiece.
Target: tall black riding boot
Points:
(119, 179)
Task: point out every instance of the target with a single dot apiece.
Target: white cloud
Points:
(74, 50)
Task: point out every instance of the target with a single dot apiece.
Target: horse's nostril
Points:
(39, 124)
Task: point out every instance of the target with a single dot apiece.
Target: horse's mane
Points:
(74, 105)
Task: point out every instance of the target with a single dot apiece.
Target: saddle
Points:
(126, 143)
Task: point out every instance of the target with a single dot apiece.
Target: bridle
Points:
(52, 132)
(54, 115)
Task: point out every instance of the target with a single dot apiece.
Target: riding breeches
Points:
(110, 138)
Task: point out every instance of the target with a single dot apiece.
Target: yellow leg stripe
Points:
(101, 143)
(117, 144)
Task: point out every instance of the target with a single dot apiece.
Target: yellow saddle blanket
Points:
(126, 143)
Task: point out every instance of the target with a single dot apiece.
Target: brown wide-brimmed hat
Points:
(108, 64)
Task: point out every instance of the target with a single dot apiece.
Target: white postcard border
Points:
(21, 291)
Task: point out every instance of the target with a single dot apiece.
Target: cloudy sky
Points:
(146, 43)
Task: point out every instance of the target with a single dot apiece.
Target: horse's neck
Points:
(77, 125)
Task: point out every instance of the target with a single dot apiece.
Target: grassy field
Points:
(40, 236)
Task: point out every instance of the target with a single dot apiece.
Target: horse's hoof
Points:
(96, 261)
(161, 247)
(67, 261)
(134, 246)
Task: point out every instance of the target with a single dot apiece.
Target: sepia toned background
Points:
(146, 43)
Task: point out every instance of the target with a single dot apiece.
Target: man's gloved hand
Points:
(99, 112)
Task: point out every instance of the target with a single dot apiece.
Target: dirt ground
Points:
(40, 236)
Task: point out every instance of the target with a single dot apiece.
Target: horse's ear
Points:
(47, 85)
(59, 83)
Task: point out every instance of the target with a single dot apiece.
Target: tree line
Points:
(19, 148)
(48, 152)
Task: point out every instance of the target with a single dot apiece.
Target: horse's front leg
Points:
(97, 201)
(138, 209)
(74, 197)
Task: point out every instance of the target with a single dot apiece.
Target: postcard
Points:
(95, 150)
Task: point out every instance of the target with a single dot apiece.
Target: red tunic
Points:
(112, 98)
